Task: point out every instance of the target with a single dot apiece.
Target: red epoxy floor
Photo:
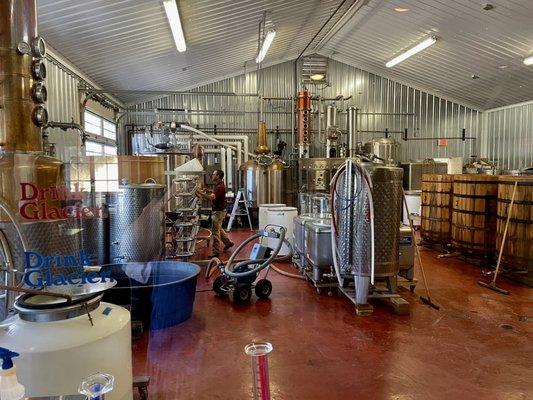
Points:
(322, 350)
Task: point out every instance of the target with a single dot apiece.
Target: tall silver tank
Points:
(387, 198)
(262, 183)
(254, 179)
(95, 230)
(137, 223)
(386, 149)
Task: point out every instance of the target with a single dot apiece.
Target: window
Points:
(99, 149)
(101, 135)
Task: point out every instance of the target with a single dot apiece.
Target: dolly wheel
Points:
(218, 284)
(242, 293)
(263, 288)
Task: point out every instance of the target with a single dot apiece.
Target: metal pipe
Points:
(165, 92)
(4, 206)
(65, 126)
(242, 138)
(9, 276)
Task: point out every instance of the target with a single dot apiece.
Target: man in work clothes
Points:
(217, 197)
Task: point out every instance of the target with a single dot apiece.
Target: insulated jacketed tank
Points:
(137, 223)
(387, 197)
(276, 182)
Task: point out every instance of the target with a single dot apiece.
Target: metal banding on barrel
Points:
(436, 209)
(474, 214)
(517, 253)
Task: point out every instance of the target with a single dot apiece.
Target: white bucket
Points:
(263, 212)
(413, 199)
(282, 216)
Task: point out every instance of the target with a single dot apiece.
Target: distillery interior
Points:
(265, 199)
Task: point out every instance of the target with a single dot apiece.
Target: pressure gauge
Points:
(39, 69)
(24, 48)
(39, 92)
(38, 47)
(40, 116)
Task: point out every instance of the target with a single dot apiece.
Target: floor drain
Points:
(507, 327)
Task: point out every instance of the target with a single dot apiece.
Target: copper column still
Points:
(22, 165)
(22, 70)
(303, 134)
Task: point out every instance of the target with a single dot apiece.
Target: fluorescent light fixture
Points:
(401, 9)
(269, 37)
(528, 60)
(173, 16)
(317, 77)
(412, 51)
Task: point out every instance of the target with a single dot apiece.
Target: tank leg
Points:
(362, 285)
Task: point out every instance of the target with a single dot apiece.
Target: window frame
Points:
(101, 138)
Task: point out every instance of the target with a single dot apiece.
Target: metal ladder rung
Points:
(240, 198)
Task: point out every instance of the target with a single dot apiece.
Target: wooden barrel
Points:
(474, 214)
(518, 250)
(436, 209)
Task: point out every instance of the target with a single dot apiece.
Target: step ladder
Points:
(237, 211)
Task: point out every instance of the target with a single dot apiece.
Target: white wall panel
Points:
(509, 133)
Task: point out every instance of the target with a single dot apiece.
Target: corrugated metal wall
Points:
(433, 117)
(509, 133)
(63, 106)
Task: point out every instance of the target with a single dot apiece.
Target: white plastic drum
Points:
(282, 216)
(263, 210)
(56, 356)
(413, 199)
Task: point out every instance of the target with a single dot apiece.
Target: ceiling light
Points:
(317, 77)
(400, 9)
(173, 16)
(503, 66)
(269, 37)
(528, 60)
(412, 51)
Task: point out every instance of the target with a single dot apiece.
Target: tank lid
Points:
(44, 308)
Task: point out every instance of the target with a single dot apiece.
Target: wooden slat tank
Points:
(474, 214)
(436, 210)
(518, 250)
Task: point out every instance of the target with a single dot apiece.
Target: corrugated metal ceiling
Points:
(490, 44)
(127, 44)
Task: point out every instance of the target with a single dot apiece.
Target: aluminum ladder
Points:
(237, 212)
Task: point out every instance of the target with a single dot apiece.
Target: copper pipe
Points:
(18, 22)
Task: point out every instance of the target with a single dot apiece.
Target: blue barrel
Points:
(159, 293)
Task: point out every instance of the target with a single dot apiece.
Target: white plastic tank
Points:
(56, 355)
(414, 203)
(282, 216)
(263, 212)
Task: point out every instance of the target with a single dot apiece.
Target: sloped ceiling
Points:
(127, 44)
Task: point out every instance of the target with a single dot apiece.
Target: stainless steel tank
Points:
(276, 182)
(320, 205)
(95, 229)
(318, 243)
(137, 223)
(387, 198)
(254, 180)
(263, 183)
(299, 231)
(387, 149)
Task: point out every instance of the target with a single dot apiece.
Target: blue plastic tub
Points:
(159, 293)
